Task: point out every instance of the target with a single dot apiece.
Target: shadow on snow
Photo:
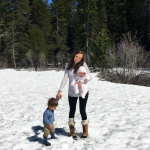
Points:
(36, 129)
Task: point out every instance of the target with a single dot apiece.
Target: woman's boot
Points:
(85, 128)
(72, 129)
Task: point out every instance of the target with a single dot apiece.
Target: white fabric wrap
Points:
(69, 74)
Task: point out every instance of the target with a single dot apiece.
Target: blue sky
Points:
(49, 1)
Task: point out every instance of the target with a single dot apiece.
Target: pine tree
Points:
(146, 39)
(102, 16)
(15, 18)
(35, 43)
(41, 16)
(60, 21)
(5, 17)
(89, 14)
(100, 48)
(117, 19)
(71, 42)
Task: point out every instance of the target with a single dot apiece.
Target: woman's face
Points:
(77, 58)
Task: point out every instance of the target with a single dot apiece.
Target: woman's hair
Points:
(71, 62)
(52, 102)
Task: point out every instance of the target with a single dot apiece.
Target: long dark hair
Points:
(71, 62)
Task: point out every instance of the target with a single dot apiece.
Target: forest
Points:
(35, 33)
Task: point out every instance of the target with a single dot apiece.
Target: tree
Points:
(128, 64)
(41, 16)
(34, 44)
(101, 46)
(14, 14)
(5, 17)
(117, 19)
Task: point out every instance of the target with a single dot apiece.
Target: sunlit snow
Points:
(118, 114)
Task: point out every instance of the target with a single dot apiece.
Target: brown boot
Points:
(72, 130)
(85, 128)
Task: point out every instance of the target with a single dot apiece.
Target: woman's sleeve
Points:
(88, 72)
(65, 78)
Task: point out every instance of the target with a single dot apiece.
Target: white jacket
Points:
(84, 88)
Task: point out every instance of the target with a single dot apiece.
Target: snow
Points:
(118, 114)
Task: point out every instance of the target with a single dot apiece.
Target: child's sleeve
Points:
(47, 118)
(88, 74)
(87, 77)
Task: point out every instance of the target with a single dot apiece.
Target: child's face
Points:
(81, 74)
(52, 107)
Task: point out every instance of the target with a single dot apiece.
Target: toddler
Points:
(48, 119)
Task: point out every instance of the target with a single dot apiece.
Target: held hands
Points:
(51, 126)
(59, 95)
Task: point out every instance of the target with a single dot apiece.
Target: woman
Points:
(75, 62)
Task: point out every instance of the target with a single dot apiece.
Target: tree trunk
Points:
(87, 39)
(57, 20)
(13, 50)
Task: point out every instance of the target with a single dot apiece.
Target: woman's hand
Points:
(59, 96)
(79, 84)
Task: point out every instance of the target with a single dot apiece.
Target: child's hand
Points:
(59, 96)
(51, 126)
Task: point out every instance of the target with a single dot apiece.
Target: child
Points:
(81, 76)
(48, 119)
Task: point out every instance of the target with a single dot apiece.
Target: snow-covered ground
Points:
(119, 115)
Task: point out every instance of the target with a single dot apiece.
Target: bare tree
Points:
(36, 63)
(42, 60)
(29, 56)
(13, 47)
(3, 61)
(127, 63)
(62, 59)
(9, 33)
